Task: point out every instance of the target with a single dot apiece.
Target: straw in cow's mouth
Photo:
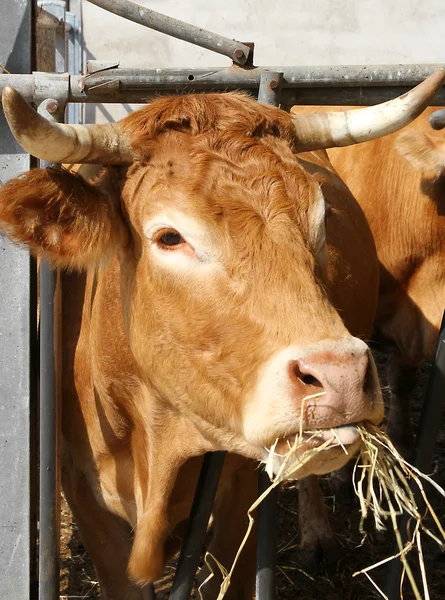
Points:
(381, 475)
(291, 463)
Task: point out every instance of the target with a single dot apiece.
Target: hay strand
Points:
(291, 464)
(391, 478)
(383, 482)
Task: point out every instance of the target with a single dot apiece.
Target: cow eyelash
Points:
(169, 239)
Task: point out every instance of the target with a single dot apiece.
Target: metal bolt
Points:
(238, 53)
(52, 106)
(273, 84)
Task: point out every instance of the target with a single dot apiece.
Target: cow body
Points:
(228, 283)
(102, 419)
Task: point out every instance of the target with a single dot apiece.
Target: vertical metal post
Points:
(49, 562)
(269, 93)
(270, 88)
(49, 508)
(73, 61)
(50, 56)
(266, 540)
(197, 526)
(430, 420)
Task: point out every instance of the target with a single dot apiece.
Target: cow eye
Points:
(170, 239)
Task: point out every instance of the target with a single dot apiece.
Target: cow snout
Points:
(322, 386)
(339, 384)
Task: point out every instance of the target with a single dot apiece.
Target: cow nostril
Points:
(310, 380)
(305, 378)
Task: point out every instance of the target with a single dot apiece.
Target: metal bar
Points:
(300, 85)
(49, 505)
(266, 540)
(236, 51)
(289, 97)
(270, 87)
(50, 56)
(266, 555)
(300, 77)
(49, 561)
(430, 421)
(433, 408)
(197, 525)
(73, 58)
(33, 87)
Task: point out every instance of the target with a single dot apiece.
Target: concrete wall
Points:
(285, 32)
(17, 335)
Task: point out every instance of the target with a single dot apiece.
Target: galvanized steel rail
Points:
(349, 85)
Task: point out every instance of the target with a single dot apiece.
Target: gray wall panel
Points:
(15, 336)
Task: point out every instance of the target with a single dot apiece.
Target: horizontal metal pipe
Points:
(236, 51)
(300, 85)
(24, 84)
(289, 97)
(106, 81)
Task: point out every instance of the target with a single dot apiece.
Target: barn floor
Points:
(335, 582)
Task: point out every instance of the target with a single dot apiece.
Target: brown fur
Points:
(163, 363)
(61, 217)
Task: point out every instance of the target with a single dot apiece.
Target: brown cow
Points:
(209, 310)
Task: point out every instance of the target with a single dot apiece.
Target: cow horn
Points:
(55, 142)
(437, 119)
(344, 128)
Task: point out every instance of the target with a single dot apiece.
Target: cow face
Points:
(222, 247)
(227, 312)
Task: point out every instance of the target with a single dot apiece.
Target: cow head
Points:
(220, 235)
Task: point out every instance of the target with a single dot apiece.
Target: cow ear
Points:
(62, 218)
(422, 152)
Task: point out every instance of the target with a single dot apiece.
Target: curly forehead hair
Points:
(232, 114)
(229, 136)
